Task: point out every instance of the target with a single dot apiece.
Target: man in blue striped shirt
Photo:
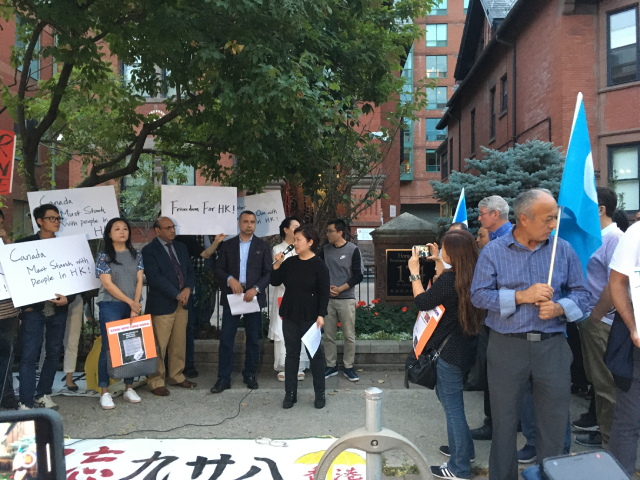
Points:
(528, 319)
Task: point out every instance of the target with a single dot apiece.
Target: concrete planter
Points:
(370, 354)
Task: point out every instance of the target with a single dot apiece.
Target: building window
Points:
(436, 35)
(504, 94)
(439, 9)
(433, 164)
(444, 162)
(21, 219)
(436, 98)
(623, 172)
(167, 90)
(492, 119)
(473, 131)
(433, 134)
(622, 47)
(436, 66)
(466, 6)
(407, 73)
(34, 66)
(406, 161)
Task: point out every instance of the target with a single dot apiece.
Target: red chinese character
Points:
(95, 457)
(352, 474)
(88, 474)
(310, 474)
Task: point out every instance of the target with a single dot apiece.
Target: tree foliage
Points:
(533, 164)
(268, 80)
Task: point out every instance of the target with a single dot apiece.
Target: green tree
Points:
(266, 80)
(533, 164)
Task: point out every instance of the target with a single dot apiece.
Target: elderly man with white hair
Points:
(494, 216)
(528, 319)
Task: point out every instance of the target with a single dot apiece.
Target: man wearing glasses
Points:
(171, 279)
(51, 314)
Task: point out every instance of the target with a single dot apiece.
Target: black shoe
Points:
(289, 399)
(444, 450)
(220, 386)
(587, 423)
(251, 382)
(321, 400)
(190, 371)
(591, 439)
(483, 433)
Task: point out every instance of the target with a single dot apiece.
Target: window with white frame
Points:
(436, 35)
(623, 173)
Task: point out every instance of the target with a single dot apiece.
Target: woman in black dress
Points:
(305, 301)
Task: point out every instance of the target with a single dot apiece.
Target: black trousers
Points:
(8, 329)
(293, 332)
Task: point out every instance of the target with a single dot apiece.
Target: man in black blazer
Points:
(244, 265)
(171, 278)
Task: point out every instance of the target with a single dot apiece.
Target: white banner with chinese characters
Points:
(260, 459)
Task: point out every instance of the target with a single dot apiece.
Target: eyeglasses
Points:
(53, 219)
(172, 227)
(485, 213)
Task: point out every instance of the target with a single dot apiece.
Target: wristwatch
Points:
(257, 289)
(413, 278)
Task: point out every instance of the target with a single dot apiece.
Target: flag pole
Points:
(555, 244)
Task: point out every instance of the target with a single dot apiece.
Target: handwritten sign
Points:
(7, 156)
(84, 211)
(201, 210)
(4, 288)
(268, 209)
(37, 271)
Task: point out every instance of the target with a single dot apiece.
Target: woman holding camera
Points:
(459, 327)
(304, 304)
(120, 270)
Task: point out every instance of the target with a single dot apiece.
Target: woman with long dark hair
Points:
(120, 270)
(306, 298)
(459, 327)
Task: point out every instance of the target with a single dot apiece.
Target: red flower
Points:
(339, 324)
(376, 313)
(361, 304)
(404, 309)
(375, 301)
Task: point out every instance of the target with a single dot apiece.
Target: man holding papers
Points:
(244, 265)
(303, 308)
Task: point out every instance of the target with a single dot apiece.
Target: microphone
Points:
(286, 250)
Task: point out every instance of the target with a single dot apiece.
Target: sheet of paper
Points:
(312, 338)
(268, 209)
(634, 289)
(4, 288)
(238, 306)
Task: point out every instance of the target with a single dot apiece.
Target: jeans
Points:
(293, 331)
(109, 312)
(31, 330)
(528, 421)
(449, 386)
(252, 323)
(8, 329)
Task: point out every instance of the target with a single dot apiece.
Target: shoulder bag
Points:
(422, 370)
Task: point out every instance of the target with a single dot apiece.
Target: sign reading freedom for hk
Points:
(201, 210)
(268, 209)
(38, 271)
(84, 211)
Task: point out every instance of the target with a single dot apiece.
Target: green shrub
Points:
(385, 318)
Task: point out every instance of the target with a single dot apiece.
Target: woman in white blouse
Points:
(287, 227)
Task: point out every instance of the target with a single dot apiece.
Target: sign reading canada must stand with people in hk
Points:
(84, 211)
(40, 270)
(269, 212)
(200, 210)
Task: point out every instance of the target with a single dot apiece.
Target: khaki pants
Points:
(171, 336)
(343, 311)
(594, 340)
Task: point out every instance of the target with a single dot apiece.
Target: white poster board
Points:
(4, 288)
(269, 212)
(37, 271)
(84, 211)
(201, 210)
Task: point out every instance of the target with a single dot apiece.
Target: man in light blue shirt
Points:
(528, 319)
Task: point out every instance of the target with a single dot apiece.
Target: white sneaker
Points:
(21, 406)
(281, 376)
(45, 402)
(131, 396)
(106, 402)
(300, 376)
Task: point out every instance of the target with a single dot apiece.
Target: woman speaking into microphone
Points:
(305, 301)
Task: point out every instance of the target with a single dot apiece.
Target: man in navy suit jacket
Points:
(171, 278)
(244, 266)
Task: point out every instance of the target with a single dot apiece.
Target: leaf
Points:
(334, 86)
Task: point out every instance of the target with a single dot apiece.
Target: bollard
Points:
(373, 424)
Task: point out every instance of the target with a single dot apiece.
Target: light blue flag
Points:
(580, 222)
(461, 210)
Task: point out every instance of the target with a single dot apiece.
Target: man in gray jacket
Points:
(345, 272)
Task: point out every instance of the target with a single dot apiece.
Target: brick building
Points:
(519, 74)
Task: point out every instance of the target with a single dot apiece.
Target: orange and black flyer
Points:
(426, 323)
(131, 340)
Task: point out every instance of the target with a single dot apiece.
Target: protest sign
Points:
(7, 157)
(84, 211)
(4, 288)
(268, 209)
(131, 341)
(40, 270)
(426, 323)
(200, 210)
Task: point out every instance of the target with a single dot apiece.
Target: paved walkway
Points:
(414, 413)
